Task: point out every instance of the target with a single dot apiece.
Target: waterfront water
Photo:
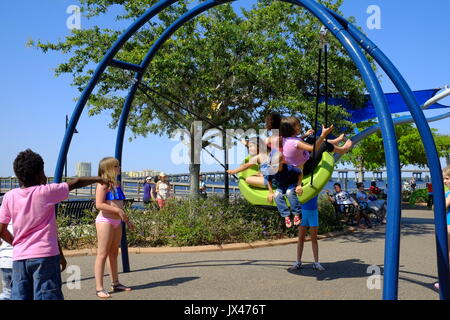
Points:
(5, 184)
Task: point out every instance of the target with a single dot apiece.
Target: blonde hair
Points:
(106, 170)
(446, 171)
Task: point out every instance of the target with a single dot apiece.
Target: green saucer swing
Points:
(258, 196)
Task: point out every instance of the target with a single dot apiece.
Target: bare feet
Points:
(345, 148)
(337, 140)
(348, 145)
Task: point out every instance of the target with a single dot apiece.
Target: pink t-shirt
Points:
(32, 211)
(293, 155)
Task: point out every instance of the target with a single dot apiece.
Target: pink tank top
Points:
(292, 154)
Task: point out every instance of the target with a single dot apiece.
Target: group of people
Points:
(31, 259)
(283, 159)
(362, 206)
(157, 190)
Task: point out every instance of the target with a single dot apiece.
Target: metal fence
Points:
(133, 189)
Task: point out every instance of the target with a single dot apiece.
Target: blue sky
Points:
(34, 103)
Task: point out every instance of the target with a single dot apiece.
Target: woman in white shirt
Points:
(162, 190)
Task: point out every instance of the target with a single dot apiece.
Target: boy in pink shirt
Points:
(31, 208)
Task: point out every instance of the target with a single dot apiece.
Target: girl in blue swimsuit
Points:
(109, 201)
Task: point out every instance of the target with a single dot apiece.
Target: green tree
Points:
(230, 68)
(369, 153)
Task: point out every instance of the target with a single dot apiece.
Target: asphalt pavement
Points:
(352, 261)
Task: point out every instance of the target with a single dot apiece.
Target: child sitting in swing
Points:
(288, 183)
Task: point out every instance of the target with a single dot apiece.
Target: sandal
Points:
(288, 222)
(297, 220)
(119, 287)
(106, 294)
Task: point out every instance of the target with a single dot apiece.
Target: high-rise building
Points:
(83, 169)
(448, 160)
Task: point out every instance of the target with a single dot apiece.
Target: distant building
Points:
(448, 161)
(140, 174)
(83, 169)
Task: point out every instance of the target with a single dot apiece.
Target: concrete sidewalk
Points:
(261, 273)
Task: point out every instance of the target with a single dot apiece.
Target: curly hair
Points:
(28, 165)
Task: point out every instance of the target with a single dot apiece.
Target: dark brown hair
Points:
(273, 121)
(289, 126)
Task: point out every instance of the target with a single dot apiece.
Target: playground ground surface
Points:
(259, 271)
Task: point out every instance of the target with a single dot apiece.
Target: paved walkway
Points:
(262, 273)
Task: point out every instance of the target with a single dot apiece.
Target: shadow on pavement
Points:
(167, 283)
(208, 264)
(352, 268)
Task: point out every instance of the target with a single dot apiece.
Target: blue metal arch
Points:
(317, 10)
(365, 69)
(393, 230)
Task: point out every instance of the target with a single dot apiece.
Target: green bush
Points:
(328, 221)
(191, 222)
(406, 195)
(419, 195)
(80, 235)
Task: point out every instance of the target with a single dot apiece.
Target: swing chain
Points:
(323, 36)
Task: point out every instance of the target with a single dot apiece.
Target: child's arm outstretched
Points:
(243, 167)
(254, 160)
(309, 147)
(85, 181)
(308, 133)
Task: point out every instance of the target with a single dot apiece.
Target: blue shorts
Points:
(37, 279)
(310, 218)
(448, 218)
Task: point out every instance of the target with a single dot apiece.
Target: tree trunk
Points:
(360, 170)
(194, 171)
(194, 165)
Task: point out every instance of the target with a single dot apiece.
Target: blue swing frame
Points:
(354, 42)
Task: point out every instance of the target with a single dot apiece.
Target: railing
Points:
(133, 189)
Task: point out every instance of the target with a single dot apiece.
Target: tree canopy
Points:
(223, 65)
(369, 153)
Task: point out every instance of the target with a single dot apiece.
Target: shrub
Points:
(78, 236)
(328, 221)
(191, 222)
(419, 195)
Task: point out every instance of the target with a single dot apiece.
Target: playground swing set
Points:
(354, 42)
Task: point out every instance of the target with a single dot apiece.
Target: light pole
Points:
(65, 163)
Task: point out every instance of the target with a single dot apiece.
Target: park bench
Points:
(74, 209)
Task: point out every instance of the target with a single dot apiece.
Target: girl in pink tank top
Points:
(295, 151)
